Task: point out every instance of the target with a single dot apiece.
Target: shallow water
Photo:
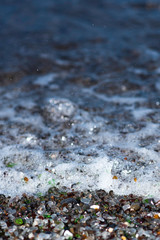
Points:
(80, 96)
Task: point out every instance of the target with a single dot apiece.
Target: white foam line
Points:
(45, 79)
(141, 112)
(115, 99)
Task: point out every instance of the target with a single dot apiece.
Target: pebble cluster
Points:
(63, 214)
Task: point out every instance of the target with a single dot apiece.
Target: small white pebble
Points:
(65, 209)
(110, 230)
(127, 224)
(31, 235)
(63, 138)
(41, 210)
(36, 222)
(50, 204)
(68, 234)
(126, 207)
(96, 207)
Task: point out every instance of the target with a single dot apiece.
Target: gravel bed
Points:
(68, 214)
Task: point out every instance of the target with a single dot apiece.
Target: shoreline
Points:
(61, 214)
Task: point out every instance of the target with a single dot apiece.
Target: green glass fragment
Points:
(47, 216)
(19, 221)
(10, 165)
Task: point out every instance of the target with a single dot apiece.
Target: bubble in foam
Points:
(59, 109)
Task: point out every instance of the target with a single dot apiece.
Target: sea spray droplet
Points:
(59, 110)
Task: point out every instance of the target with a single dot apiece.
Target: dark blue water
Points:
(103, 33)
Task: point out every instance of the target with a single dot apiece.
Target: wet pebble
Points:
(135, 206)
(126, 207)
(105, 217)
(59, 110)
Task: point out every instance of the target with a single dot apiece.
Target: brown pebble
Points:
(135, 207)
(72, 230)
(111, 193)
(158, 204)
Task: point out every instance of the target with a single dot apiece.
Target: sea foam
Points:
(60, 142)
